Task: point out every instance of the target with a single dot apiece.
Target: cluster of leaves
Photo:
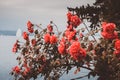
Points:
(101, 10)
(50, 55)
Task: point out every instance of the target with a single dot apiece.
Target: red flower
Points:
(75, 20)
(47, 38)
(33, 41)
(76, 51)
(29, 24)
(31, 30)
(25, 36)
(109, 31)
(26, 71)
(69, 16)
(16, 69)
(53, 39)
(61, 48)
(70, 27)
(50, 28)
(107, 35)
(81, 35)
(70, 34)
(30, 27)
(15, 47)
(117, 52)
(74, 48)
(117, 45)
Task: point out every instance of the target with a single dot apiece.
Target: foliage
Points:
(100, 11)
(50, 54)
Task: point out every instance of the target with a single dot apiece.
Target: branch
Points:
(89, 31)
(79, 77)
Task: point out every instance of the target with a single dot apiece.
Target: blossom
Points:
(109, 31)
(61, 47)
(33, 41)
(29, 24)
(31, 30)
(70, 27)
(76, 51)
(50, 28)
(70, 34)
(26, 71)
(25, 36)
(81, 35)
(47, 38)
(53, 39)
(117, 45)
(69, 16)
(75, 20)
(15, 46)
(30, 27)
(16, 69)
(117, 48)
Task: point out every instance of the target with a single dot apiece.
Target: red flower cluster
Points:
(76, 51)
(15, 47)
(53, 39)
(117, 47)
(16, 69)
(30, 27)
(26, 69)
(73, 19)
(109, 31)
(70, 35)
(62, 47)
(50, 28)
(25, 36)
(50, 38)
(33, 41)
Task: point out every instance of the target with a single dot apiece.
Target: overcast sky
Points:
(14, 14)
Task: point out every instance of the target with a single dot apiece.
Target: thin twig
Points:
(39, 26)
(89, 31)
(79, 77)
(56, 27)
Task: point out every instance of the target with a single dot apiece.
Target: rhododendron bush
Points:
(51, 54)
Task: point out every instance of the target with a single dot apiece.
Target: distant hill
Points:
(7, 32)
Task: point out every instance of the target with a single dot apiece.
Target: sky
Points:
(14, 14)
